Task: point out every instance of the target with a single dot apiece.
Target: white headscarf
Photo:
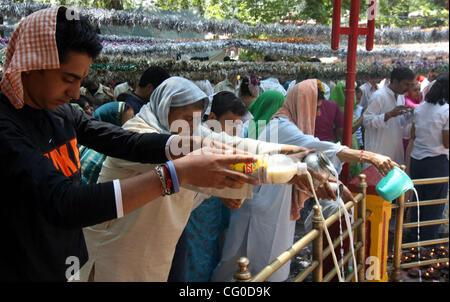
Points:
(173, 92)
(207, 88)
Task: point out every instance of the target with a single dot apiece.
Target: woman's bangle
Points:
(163, 177)
(361, 155)
(173, 175)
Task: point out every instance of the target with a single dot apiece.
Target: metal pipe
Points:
(346, 258)
(243, 274)
(337, 241)
(424, 243)
(428, 181)
(361, 234)
(417, 264)
(425, 223)
(358, 197)
(333, 218)
(302, 276)
(266, 272)
(396, 275)
(422, 203)
(352, 274)
(422, 263)
(318, 244)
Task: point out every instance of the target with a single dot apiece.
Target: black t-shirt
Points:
(44, 207)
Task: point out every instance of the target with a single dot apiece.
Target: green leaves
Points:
(391, 13)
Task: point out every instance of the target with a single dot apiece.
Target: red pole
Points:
(371, 25)
(336, 29)
(350, 81)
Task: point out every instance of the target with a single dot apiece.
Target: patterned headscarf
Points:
(111, 112)
(32, 46)
(301, 106)
(173, 92)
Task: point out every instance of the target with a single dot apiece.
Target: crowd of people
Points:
(94, 175)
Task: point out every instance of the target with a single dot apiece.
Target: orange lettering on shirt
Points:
(61, 159)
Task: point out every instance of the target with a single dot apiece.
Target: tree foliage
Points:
(393, 13)
(407, 13)
(107, 4)
(246, 11)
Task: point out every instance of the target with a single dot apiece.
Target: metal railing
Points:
(401, 205)
(315, 236)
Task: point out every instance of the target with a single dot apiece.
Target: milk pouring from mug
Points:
(321, 164)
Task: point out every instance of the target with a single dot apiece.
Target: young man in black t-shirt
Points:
(44, 206)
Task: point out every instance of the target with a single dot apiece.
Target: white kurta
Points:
(122, 88)
(367, 92)
(140, 246)
(261, 229)
(386, 137)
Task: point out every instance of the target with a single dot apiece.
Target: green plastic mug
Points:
(394, 184)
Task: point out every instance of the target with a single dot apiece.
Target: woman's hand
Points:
(292, 149)
(383, 163)
(232, 204)
(347, 195)
(323, 191)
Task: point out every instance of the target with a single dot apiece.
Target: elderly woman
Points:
(264, 226)
(140, 246)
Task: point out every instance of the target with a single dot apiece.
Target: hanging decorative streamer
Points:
(171, 49)
(180, 23)
(122, 68)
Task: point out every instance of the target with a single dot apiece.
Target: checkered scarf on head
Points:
(32, 46)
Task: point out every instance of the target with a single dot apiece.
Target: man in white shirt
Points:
(387, 117)
(124, 87)
(367, 89)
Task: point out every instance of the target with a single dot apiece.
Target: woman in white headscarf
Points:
(140, 246)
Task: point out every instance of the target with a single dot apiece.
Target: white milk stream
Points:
(349, 227)
(342, 243)
(350, 236)
(418, 232)
(327, 234)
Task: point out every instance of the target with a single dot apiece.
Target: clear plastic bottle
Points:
(320, 164)
(272, 169)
